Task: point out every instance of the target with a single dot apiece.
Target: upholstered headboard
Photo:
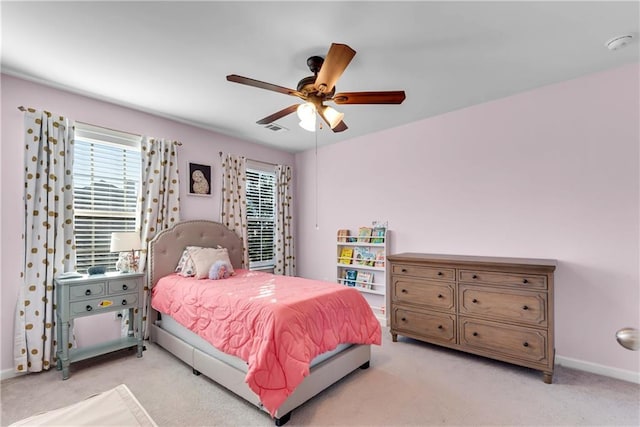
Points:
(166, 247)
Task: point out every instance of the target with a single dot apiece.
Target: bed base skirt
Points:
(321, 376)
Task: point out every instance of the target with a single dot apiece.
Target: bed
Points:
(238, 370)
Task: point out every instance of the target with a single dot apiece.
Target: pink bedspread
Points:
(277, 324)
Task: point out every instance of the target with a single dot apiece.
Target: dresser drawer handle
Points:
(474, 277)
(404, 319)
(124, 302)
(525, 281)
(404, 291)
(525, 344)
(87, 292)
(89, 308)
(124, 287)
(440, 327)
(440, 296)
(475, 334)
(526, 307)
(439, 273)
(475, 301)
(404, 270)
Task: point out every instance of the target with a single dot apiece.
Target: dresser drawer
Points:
(423, 272)
(113, 303)
(504, 304)
(433, 326)
(507, 340)
(89, 290)
(122, 285)
(430, 294)
(504, 279)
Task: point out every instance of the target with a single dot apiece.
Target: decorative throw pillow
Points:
(219, 270)
(185, 266)
(203, 259)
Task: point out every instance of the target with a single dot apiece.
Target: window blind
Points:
(106, 182)
(261, 216)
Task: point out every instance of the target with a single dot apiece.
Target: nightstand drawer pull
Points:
(525, 281)
(87, 292)
(440, 296)
(124, 302)
(124, 287)
(404, 291)
(475, 301)
(89, 308)
(475, 334)
(404, 319)
(404, 270)
(525, 344)
(440, 327)
(439, 273)
(474, 277)
(526, 307)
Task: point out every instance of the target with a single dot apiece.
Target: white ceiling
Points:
(171, 58)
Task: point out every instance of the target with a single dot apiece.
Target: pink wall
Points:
(199, 145)
(551, 173)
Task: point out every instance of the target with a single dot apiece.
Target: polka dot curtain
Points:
(234, 199)
(48, 235)
(159, 199)
(283, 244)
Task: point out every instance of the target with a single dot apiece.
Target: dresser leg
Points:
(394, 337)
(548, 377)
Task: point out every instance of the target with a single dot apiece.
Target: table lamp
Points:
(126, 243)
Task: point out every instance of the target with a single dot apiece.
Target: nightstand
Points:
(90, 295)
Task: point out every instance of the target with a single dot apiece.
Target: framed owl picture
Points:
(199, 179)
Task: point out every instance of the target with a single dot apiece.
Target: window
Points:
(106, 182)
(261, 214)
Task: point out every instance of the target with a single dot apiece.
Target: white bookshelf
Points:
(369, 258)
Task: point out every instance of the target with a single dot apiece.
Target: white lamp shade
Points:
(333, 117)
(309, 124)
(306, 112)
(125, 241)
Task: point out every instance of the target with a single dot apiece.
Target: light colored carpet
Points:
(409, 383)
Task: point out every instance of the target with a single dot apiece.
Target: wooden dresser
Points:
(500, 308)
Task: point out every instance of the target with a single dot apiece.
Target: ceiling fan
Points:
(320, 87)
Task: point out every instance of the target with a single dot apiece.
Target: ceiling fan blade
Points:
(340, 127)
(338, 57)
(275, 116)
(263, 85)
(389, 97)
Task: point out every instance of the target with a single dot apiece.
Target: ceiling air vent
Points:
(276, 128)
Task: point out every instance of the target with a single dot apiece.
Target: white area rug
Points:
(115, 407)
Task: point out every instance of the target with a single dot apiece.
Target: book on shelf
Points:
(365, 278)
(363, 256)
(379, 259)
(364, 234)
(377, 234)
(343, 235)
(350, 277)
(346, 255)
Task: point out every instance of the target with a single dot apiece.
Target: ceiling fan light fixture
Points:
(333, 116)
(308, 124)
(306, 112)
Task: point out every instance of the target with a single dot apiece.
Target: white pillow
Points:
(203, 259)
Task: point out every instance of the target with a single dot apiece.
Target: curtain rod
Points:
(253, 160)
(178, 143)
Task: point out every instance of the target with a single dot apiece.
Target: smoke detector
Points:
(619, 42)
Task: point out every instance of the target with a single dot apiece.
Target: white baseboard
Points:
(9, 373)
(594, 368)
